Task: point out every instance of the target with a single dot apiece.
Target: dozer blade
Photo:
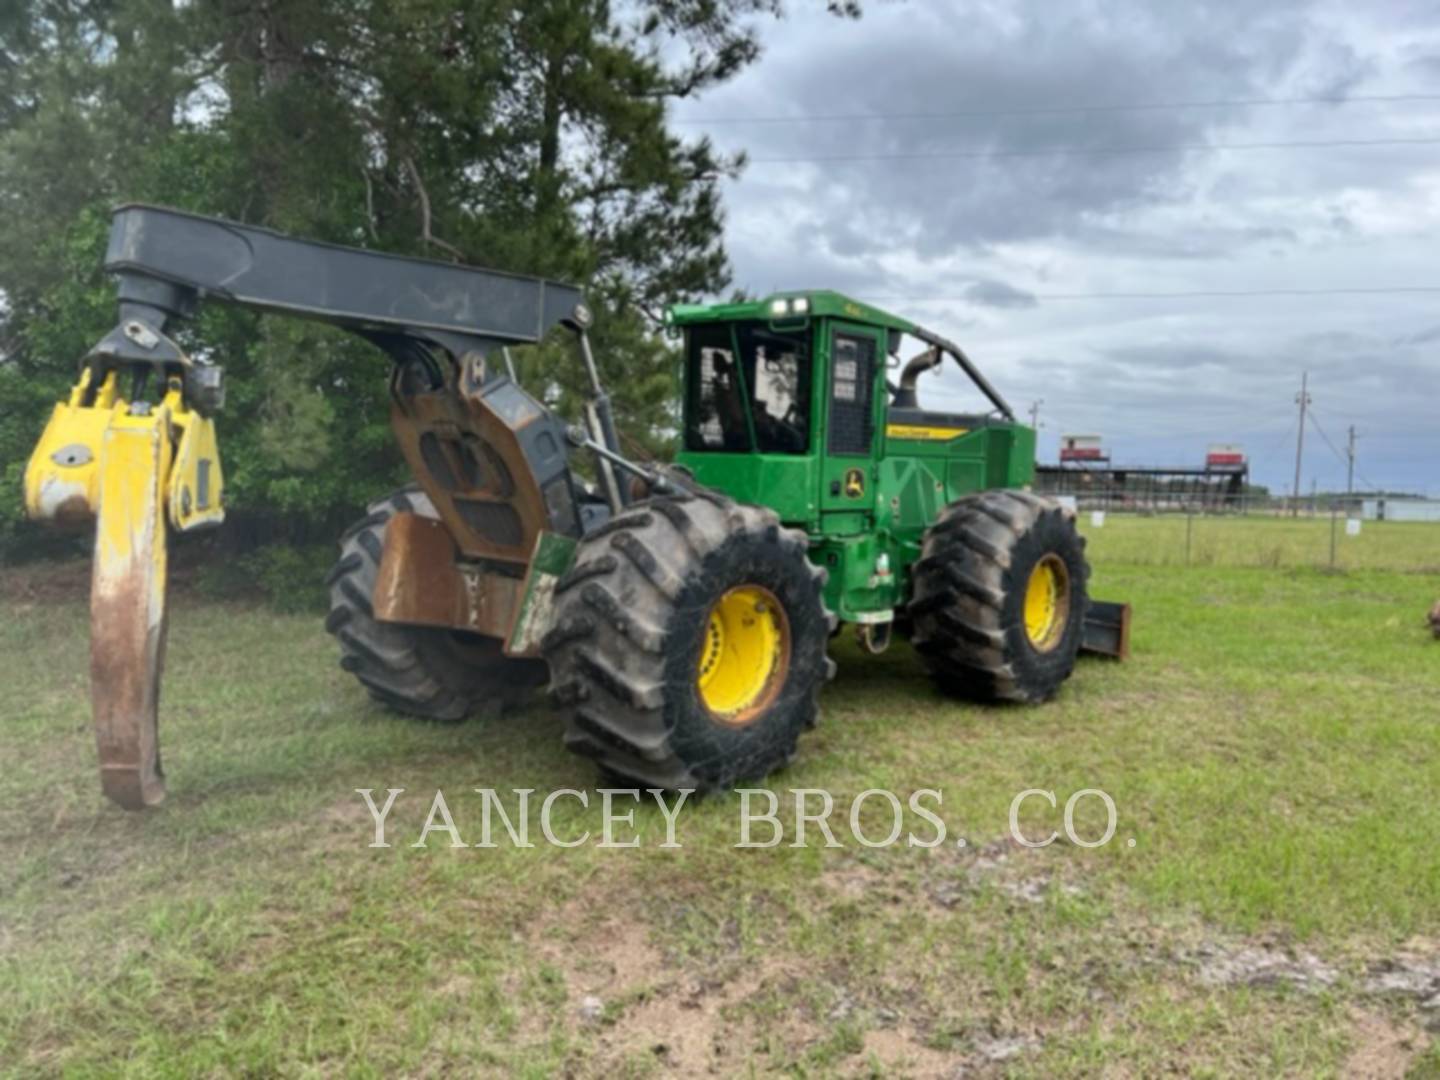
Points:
(127, 608)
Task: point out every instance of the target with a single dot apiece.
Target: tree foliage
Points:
(525, 135)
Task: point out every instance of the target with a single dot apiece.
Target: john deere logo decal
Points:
(854, 484)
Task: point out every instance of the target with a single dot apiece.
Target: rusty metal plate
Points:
(420, 581)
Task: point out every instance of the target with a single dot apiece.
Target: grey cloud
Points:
(1425, 67)
(997, 294)
(1422, 337)
(1334, 69)
(1195, 243)
(1159, 378)
(1030, 56)
(792, 259)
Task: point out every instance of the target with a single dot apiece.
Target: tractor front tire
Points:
(1000, 596)
(687, 647)
(422, 671)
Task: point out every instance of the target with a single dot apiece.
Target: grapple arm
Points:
(133, 448)
(167, 259)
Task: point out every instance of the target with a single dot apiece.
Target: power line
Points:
(1350, 463)
(1062, 110)
(1315, 423)
(1368, 482)
(1188, 294)
(1095, 151)
(1266, 455)
(1348, 460)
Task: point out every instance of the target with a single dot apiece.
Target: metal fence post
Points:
(1333, 522)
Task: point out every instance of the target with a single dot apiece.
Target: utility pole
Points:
(1350, 470)
(1303, 400)
(1035, 413)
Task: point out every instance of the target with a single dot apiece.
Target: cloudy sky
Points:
(968, 222)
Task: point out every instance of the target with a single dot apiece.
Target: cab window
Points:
(767, 383)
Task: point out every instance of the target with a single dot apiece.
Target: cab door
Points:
(847, 470)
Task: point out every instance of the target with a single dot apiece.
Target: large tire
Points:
(423, 671)
(986, 556)
(633, 626)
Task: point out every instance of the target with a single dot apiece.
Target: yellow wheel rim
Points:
(1047, 603)
(745, 654)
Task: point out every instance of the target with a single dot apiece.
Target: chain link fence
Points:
(1323, 540)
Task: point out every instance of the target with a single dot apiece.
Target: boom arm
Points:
(167, 259)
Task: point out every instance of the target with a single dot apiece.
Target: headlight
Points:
(798, 305)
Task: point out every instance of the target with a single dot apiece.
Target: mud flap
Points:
(127, 608)
(552, 559)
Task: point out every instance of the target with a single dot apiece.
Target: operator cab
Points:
(751, 378)
(786, 402)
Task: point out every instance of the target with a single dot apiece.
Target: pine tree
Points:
(525, 135)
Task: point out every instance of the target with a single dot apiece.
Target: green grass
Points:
(1265, 541)
(1272, 749)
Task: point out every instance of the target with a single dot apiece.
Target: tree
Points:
(526, 135)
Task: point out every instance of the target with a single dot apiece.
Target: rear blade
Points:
(1107, 630)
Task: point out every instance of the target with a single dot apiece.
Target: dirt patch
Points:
(852, 880)
(1023, 875)
(1225, 964)
(699, 1026)
(1409, 975)
(1381, 1048)
(639, 1003)
(900, 1053)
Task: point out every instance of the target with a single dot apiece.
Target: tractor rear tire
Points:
(687, 647)
(1000, 597)
(422, 671)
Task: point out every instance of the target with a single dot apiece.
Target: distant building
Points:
(1399, 508)
(1086, 474)
(1225, 457)
(1082, 448)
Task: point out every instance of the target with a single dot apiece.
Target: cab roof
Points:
(817, 302)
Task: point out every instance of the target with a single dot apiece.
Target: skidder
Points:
(680, 614)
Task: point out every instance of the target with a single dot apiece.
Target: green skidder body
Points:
(790, 403)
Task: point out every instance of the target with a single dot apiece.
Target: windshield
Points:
(767, 389)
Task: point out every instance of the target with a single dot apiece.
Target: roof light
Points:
(778, 307)
(800, 305)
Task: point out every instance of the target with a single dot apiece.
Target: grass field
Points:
(1264, 541)
(1272, 749)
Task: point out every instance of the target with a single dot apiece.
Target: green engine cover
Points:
(786, 405)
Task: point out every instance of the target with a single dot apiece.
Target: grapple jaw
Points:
(135, 470)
